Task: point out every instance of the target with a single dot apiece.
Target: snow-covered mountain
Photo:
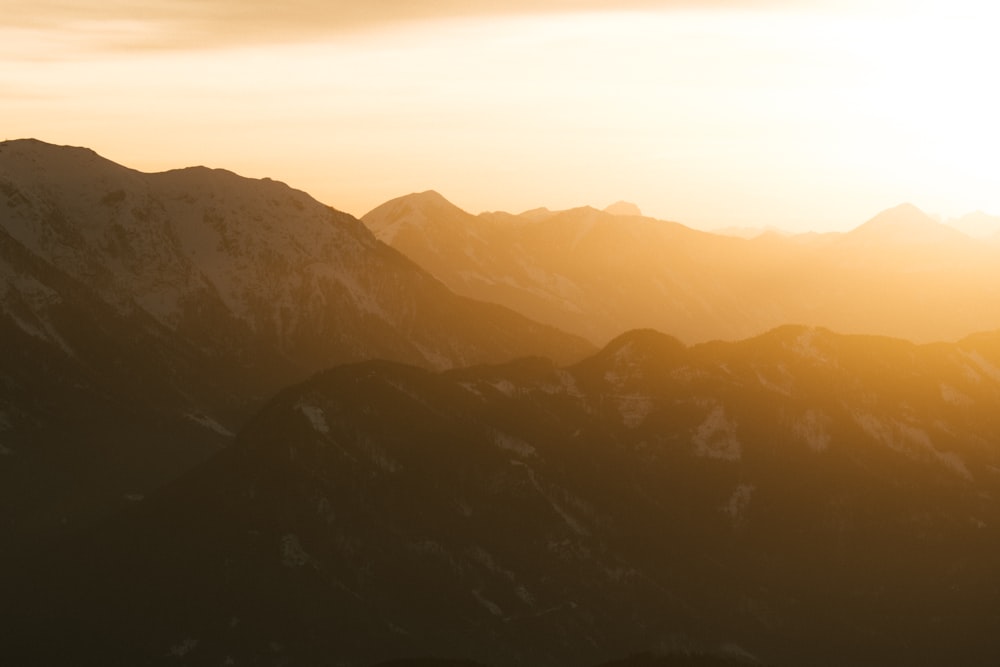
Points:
(597, 274)
(236, 264)
(145, 315)
(801, 497)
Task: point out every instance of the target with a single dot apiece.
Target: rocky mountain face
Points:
(798, 498)
(597, 274)
(145, 316)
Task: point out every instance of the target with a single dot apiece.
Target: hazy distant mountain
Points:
(623, 208)
(583, 270)
(747, 232)
(800, 497)
(144, 315)
(907, 225)
(978, 225)
(597, 274)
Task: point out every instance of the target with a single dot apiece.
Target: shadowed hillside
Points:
(800, 497)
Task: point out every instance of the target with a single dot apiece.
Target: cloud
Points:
(165, 24)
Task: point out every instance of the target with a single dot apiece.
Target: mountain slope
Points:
(801, 497)
(145, 316)
(598, 274)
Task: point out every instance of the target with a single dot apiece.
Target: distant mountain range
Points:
(145, 316)
(800, 498)
(597, 274)
(978, 225)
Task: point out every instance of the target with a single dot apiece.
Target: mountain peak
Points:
(638, 345)
(906, 223)
(409, 211)
(426, 200)
(32, 154)
(623, 208)
(903, 214)
(30, 143)
(428, 197)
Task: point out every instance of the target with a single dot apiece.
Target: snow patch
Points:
(738, 502)
(804, 346)
(983, 365)
(512, 443)
(716, 438)
(687, 374)
(377, 455)
(812, 429)
(491, 606)
(569, 383)
(183, 647)
(953, 396)
(570, 521)
(781, 385)
(505, 387)
(471, 388)
(525, 596)
(316, 417)
(634, 408)
(210, 424)
(437, 360)
(625, 366)
(908, 440)
(292, 553)
(486, 559)
(954, 462)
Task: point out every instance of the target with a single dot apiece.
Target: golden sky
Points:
(803, 115)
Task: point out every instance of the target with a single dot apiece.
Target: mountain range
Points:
(240, 427)
(799, 498)
(146, 316)
(596, 274)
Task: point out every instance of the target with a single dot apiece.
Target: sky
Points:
(807, 115)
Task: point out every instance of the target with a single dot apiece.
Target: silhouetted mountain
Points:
(144, 316)
(597, 274)
(796, 498)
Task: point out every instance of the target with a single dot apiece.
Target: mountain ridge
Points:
(150, 314)
(750, 496)
(597, 274)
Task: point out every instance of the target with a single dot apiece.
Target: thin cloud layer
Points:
(162, 24)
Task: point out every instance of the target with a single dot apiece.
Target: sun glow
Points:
(799, 119)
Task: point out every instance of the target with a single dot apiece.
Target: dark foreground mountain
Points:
(145, 316)
(800, 498)
(597, 274)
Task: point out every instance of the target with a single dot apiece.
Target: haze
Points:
(797, 115)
